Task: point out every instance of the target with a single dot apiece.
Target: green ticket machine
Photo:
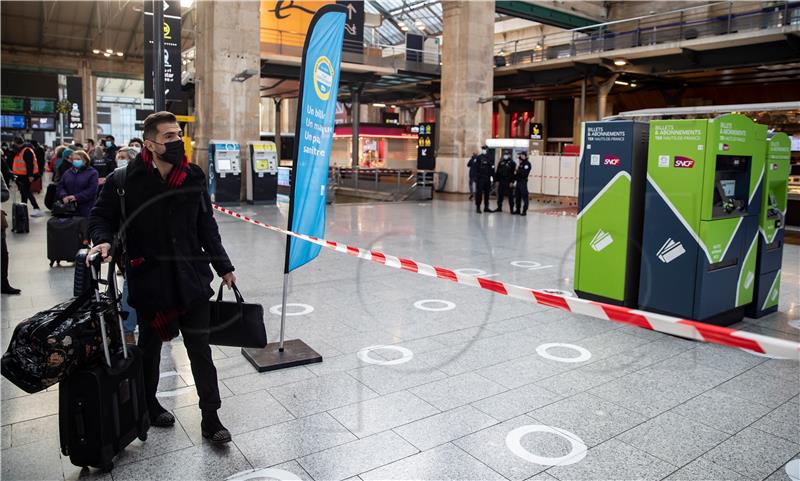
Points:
(770, 226)
(702, 204)
(610, 209)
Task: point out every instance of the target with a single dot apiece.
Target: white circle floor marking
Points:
(306, 309)
(468, 271)
(364, 355)
(793, 469)
(583, 353)
(514, 444)
(446, 305)
(264, 474)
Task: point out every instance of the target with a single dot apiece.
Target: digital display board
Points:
(44, 106)
(12, 104)
(13, 121)
(43, 123)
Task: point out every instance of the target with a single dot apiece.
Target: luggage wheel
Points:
(51, 263)
(143, 437)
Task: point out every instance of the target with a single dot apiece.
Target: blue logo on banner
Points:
(316, 113)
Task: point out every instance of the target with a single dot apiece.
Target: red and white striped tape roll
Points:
(757, 343)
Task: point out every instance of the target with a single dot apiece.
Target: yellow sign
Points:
(286, 21)
(167, 32)
(185, 118)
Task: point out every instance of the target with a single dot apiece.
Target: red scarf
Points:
(176, 176)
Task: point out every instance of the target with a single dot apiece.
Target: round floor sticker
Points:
(435, 305)
(793, 469)
(266, 474)
(365, 356)
(304, 309)
(583, 353)
(514, 444)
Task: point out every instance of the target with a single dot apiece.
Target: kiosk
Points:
(702, 203)
(224, 171)
(775, 187)
(613, 169)
(262, 183)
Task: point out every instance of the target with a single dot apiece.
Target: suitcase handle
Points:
(95, 262)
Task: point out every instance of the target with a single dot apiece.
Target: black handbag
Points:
(50, 196)
(236, 324)
(60, 209)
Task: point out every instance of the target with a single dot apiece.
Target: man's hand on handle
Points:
(229, 279)
(99, 248)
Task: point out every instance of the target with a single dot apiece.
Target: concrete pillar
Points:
(603, 90)
(467, 76)
(89, 95)
(227, 44)
(278, 141)
(355, 95)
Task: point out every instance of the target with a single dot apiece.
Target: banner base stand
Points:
(295, 353)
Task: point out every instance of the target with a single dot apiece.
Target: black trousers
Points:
(521, 193)
(4, 261)
(503, 191)
(25, 191)
(484, 188)
(194, 328)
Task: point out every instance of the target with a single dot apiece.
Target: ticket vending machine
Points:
(775, 187)
(613, 170)
(262, 183)
(224, 171)
(702, 202)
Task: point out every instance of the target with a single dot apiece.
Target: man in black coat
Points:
(521, 188)
(485, 175)
(505, 177)
(170, 239)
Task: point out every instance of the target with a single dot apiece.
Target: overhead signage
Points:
(426, 157)
(285, 22)
(75, 98)
(414, 45)
(171, 32)
(537, 131)
(354, 26)
(12, 104)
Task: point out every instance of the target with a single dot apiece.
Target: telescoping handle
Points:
(95, 263)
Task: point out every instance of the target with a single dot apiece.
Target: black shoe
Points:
(470, 197)
(514, 212)
(523, 214)
(478, 210)
(213, 430)
(160, 417)
(11, 290)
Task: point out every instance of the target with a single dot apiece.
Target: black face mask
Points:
(174, 152)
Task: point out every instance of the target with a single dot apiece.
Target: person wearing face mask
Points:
(136, 144)
(505, 177)
(521, 187)
(171, 237)
(111, 147)
(485, 176)
(78, 183)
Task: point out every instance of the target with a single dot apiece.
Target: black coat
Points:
(171, 237)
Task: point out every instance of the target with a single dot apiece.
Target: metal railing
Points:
(388, 185)
(673, 26)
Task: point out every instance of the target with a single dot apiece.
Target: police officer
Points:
(505, 176)
(521, 179)
(485, 175)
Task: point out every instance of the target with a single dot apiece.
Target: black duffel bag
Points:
(60, 209)
(47, 347)
(236, 324)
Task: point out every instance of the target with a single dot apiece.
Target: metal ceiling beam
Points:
(86, 46)
(133, 32)
(377, 6)
(542, 14)
(42, 20)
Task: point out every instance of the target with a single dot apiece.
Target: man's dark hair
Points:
(19, 140)
(79, 145)
(136, 139)
(110, 137)
(90, 141)
(152, 122)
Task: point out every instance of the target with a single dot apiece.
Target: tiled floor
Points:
(644, 405)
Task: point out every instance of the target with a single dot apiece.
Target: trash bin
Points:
(442, 180)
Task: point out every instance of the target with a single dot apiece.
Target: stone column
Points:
(227, 44)
(89, 96)
(467, 76)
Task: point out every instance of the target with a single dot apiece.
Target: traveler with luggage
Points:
(26, 169)
(521, 187)
(79, 184)
(485, 176)
(162, 204)
(505, 177)
(6, 287)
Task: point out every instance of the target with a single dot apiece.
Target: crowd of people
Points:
(511, 179)
(71, 174)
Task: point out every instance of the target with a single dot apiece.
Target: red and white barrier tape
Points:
(757, 343)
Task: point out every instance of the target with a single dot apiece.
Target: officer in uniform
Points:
(505, 176)
(521, 179)
(485, 175)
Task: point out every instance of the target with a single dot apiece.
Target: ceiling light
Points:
(404, 28)
(538, 46)
(620, 62)
(95, 51)
(421, 27)
(401, 23)
(418, 23)
(120, 54)
(109, 50)
(621, 82)
(633, 84)
(379, 105)
(187, 3)
(106, 54)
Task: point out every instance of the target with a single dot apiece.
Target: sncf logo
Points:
(683, 162)
(611, 160)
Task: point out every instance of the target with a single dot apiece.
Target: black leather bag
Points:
(236, 324)
(60, 209)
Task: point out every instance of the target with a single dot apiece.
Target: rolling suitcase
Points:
(19, 217)
(82, 280)
(102, 409)
(65, 237)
